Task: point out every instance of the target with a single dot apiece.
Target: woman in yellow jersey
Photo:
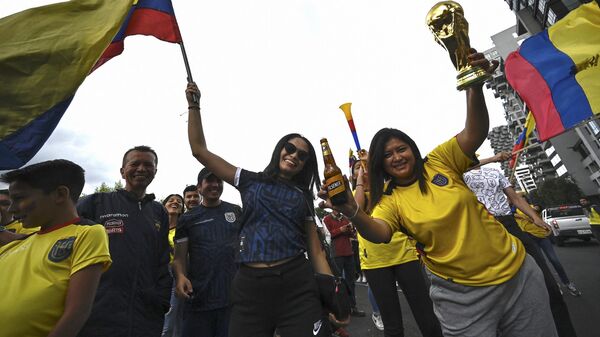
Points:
(482, 281)
(173, 318)
(386, 264)
(540, 237)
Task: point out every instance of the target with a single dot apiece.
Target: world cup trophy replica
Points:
(447, 22)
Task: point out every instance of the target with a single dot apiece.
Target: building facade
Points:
(576, 151)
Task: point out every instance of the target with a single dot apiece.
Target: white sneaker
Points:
(376, 317)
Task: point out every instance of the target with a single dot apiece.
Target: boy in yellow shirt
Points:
(49, 278)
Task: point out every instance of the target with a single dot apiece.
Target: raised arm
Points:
(477, 123)
(497, 158)
(214, 163)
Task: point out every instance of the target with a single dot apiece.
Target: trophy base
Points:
(470, 77)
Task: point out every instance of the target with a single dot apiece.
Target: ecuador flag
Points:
(556, 72)
(146, 17)
(523, 138)
(45, 54)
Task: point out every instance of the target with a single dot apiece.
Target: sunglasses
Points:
(291, 149)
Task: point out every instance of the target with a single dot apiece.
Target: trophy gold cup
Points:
(447, 22)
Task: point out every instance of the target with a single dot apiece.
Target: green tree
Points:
(105, 188)
(557, 191)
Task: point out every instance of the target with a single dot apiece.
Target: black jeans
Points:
(560, 312)
(410, 278)
(347, 266)
(283, 297)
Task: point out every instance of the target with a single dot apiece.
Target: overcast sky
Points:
(267, 68)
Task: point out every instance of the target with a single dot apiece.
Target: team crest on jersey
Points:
(114, 226)
(157, 226)
(440, 180)
(61, 249)
(230, 216)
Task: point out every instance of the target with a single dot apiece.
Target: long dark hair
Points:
(377, 175)
(308, 178)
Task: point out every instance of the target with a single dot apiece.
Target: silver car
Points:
(568, 222)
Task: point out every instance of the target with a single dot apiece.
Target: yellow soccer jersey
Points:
(172, 244)
(373, 255)
(461, 241)
(380, 255)
(17, 227)
(36, 272)
(528, 226)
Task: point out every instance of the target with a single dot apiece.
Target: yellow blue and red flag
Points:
(47, 52)
(523, 138)
(146, 17)
(556, 72)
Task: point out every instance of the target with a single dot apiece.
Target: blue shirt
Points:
(212, 236)
(275, 215)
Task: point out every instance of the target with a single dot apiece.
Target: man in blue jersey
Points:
(207, 235)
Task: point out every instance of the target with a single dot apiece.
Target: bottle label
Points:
(325, 150)
(335, 185)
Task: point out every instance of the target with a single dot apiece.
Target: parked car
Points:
(568, 222)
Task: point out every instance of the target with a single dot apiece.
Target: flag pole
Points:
(525, 148)
(188, 70)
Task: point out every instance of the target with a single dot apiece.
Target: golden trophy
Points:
(447, 22)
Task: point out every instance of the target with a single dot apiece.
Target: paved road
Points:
(580, 259)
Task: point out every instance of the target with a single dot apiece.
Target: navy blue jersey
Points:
(212, 236)
(275, 214)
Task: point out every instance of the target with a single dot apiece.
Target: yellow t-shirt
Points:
(528, 226)
(35, 274)
(172, 244)
(380, 255)
(17, 227)
(462, 242)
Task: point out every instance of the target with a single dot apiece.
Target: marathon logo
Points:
(61, 249)
(114, 226)
(440, 180)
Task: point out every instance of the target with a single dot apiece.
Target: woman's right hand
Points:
(349, 208)
(192, 93)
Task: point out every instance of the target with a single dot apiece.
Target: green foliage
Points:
(105, 188)
(556, 192)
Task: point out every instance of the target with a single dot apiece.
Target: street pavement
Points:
(581, 261)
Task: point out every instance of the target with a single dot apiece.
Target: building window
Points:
(580, 148)
(593, 125)
(593, 167)
(542, 6)
(551, 18)
(561, 170)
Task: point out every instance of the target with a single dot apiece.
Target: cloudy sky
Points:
(267, 68)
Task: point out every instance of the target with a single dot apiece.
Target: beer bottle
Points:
(336, 188)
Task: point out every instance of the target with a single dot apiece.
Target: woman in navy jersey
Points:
(275, 286)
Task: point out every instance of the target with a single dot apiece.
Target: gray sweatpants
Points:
(516, 308)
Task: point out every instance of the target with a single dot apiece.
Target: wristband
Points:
(194, 107)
